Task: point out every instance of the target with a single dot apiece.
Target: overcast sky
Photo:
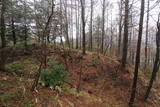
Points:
(114, 10)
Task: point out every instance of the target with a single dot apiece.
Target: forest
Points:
(79, 53)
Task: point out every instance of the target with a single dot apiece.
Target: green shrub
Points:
(54, 76)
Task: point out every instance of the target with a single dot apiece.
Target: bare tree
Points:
(77, 23)
(157, 61)
(91, 26)
(3, 38)
(61, 18)
(125, 38)
(120, 26)
(111, 39)
(103, 26)
(44, 47)
(13, 25)
(25, 26)
(83, 25)
(66, 24)
(146, 42)
(71, 19)
(134, 85)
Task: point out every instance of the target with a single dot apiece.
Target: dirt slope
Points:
(103, 84)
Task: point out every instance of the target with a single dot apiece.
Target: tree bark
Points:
(13, 31)
(66, 25)
(25, 26)
(120, 28)
(61, 16)
(72, 24)
(3, 38)
(83, 26)
(156, 63)
(146, 42)
(125, 38)
(91, 26)
(44, 48)
(103, 27)
(111, 40)
(77, 23)
(134, 85)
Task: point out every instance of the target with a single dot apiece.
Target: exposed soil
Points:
(103, 83)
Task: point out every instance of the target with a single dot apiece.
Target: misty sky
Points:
(113, 10)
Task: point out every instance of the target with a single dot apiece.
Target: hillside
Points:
(103, 83)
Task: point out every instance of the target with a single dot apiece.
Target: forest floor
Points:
(103, 83)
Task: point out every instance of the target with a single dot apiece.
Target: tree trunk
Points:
(77, 23)
(13, 31)
(80, 35)
(120, 28)
(61, 16)
(156, 63)
(66, 25)
(44, 48)
(111, 40)
(83, 26)
(3, 39)
(146, 42)
(91, 27)
(71, 24)
(25, 26)
(125, 38)
(103, 27)
(134, 86)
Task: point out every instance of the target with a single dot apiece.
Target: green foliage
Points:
(54, 76)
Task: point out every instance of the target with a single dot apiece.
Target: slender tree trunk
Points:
(98, 44)
(13, 27)
(134, 86)
(66, 24)
(25, 26)
(91, 21)
(125, 38)
(13, 31)
(131, 37)
(83, 26)
(44, 48)
(103, 26)
(72, 24)
(146, 42)
(3, 38)
(61, 16)
(156, 63)
(120, 28)
(77, 23)
(111, 41)
(80, 36)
